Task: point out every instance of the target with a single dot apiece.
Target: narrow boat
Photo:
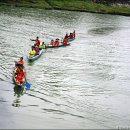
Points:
(60, 45)
(34, 57)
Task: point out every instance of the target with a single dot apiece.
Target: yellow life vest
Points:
(41, 46)
(32, 52)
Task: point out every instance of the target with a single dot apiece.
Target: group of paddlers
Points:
(19, 71)
(38, 45)
(64, 40)
(70, 36)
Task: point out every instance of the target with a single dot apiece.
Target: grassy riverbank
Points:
(76, 5)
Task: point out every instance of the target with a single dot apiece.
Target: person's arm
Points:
(33, 39)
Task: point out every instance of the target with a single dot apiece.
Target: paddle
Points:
(27, 84)
(32, 39)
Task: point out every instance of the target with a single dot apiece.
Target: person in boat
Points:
(36, 48)
(37, 41)
(20, 75)
(52, 43)
(66, 36)
(74, 34)
(71, 36)
(65, 41)
(32, 51)
(42, 46)
(57, 41)
(20, 62)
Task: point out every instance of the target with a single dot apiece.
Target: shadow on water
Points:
(18, 92)
(102, 31)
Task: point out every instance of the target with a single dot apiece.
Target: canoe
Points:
(60, 45)
(14, 79)
(32, 58)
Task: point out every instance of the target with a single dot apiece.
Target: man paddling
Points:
(37, 41)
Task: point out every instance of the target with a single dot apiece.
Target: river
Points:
(84, 85)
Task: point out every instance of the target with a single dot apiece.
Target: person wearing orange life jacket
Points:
(20, 75)
(20, 61)
(19, 64)
(36, 48)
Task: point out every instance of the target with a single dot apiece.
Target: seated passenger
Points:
(57, 42)
(66, 36)
(65, 42)
(20, 62)
(42, 45)
(37, 50)
(52, 43)
(71, 36)
(20, 75)
(32, 51)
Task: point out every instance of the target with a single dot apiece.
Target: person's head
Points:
(36, 46)
(37, 37)
(21, 58)
(43, 43)
(57, 39)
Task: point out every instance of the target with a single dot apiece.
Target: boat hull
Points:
(71, 39)
(60, 45)
(32, 58)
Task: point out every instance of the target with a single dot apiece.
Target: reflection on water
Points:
(18, 92)
(16, 102)
(84, 85)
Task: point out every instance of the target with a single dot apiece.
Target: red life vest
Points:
(37, 42)
(20, 76)
(66, 36)
(65, 42)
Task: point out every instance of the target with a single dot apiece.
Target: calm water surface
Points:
(84, 85)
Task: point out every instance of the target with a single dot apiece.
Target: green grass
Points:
(81, 5)
(27, 3)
